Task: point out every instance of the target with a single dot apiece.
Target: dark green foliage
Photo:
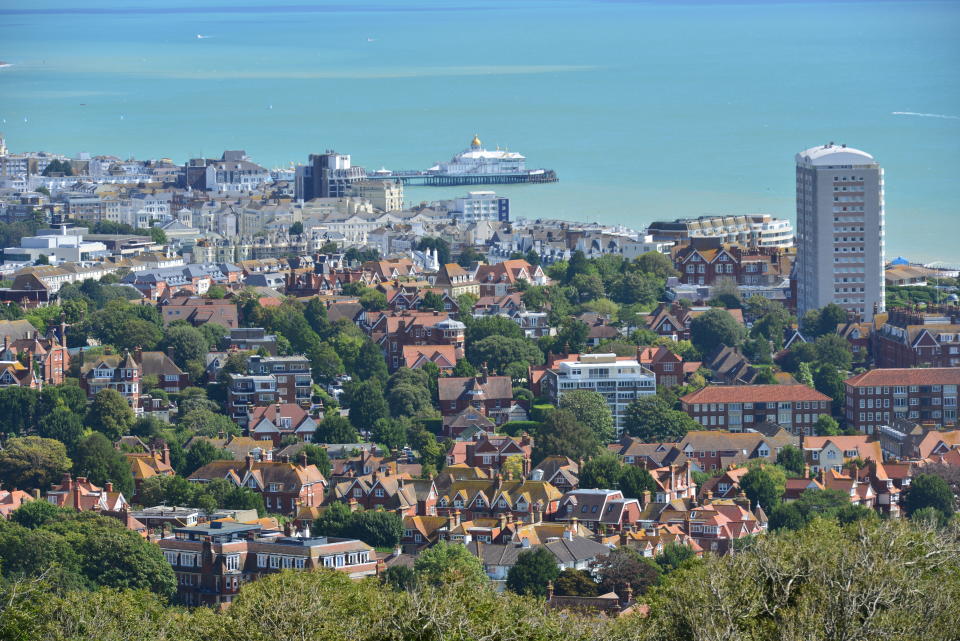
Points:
(373, 527)
(486, 326)
(318, 456)
(714, 328)
(516, 428)
(634, 481)
(834, 350)
(591, 409)
(391, 432)
(100, 462)
(432, 300)
(572, 582)
(791, 459)
(532, 571)
(367, 404)
(32, 462)
(110, 414)
(203, 422)
(653, 420)
(602, 471)
(764, 486)
(927, 490)
(36, 514)
(296, 229)
(442, 247)
(370, 363)
(561, 434)
(827, 504)
(399, 577)
(187, 344)
(335, 429)
(88, 551)
(61, 424)
(828, 380)
(18, 407)
(58, 167)
(675, 556)
(625, 565)
(201, 452)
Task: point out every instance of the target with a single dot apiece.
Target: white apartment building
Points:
(620, 379)
(840, 230)
(479, 205)
(385, 195)
(753, 231)
(58, 246)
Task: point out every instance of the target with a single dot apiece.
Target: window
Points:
(262, 560)
(378, 492)
(232, 562)
(274, 561)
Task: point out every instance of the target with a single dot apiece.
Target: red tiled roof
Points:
(753, 394)
(907, 376)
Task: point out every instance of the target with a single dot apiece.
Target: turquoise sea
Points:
(646, 110)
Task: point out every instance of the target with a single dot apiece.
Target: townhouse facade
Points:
(740, 407)
(286, 486)
(915, 338)
(881, 396)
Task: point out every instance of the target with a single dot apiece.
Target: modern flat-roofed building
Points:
(740, 407)
(620, 379)
(840, 230)
(879, 397)
(213, 561)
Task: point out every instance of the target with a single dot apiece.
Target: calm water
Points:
(645, 109)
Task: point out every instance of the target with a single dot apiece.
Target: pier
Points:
(428, 179)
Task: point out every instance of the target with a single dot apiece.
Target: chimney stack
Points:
(303, 458)
(166, 453)
(108, 486)
(249, 461)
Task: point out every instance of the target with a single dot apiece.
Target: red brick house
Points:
(667, 366)
(738, 407)
(278, 420)
(395, 330)
(49, 355)
(490, 395)
(599, 509)
(490, 451)
(198, 311)
(880, 396)
(111, 371)
(388, 491)
(501, 279)
(285, 486)
(914, 338)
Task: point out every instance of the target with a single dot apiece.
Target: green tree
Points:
(32, 462)
(370, 363)
(203, 422)
(826, 426)
(377, 528)
(373, 300)
(464, 368)
(653, 420)
(296, 229)
(34, 514)
(591, 409)
(804, 374)
(791, 459)
(97, 460)
(764, 485)
(675, 556)
(834, 350)
(367, 404)
(335, 429)
(432, 300)
(498, 352)
(634, 481)
(61, 424)
(391, 432)
(626, 566)
(713, 328)
(602, 471)
(187, 344)
(110, 414)
(828, 380)
(572, 582)
(928, 490)
(561, 434)
(532, 571)
(449, 563)
(656, 264)
(200, 453)
(486, 326)
(318, 456)
(18, 407)
(408, 399)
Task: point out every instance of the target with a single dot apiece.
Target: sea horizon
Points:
(652, 114)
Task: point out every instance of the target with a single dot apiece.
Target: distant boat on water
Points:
(4, 64)
(200, 36)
